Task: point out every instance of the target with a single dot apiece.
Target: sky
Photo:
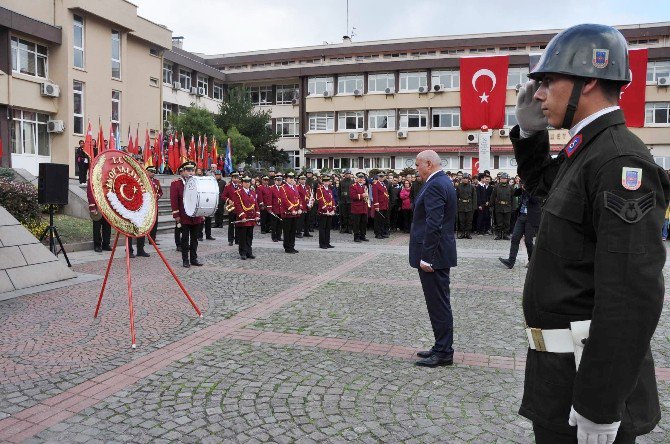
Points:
(228, 26)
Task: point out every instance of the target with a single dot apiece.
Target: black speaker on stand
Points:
(52, 189)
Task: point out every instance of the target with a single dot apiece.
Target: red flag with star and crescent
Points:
(483, 91)
(633, 95)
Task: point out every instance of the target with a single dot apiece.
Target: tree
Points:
(197, 121)
(238, 111)
(242, 146)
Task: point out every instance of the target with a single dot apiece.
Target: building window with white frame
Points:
(167, 73)
(381, 119)
(203, 82)
(285, 94)
(167, 111)
(510, 116)
(78, 41)
(78, 107)
(29, 58)
(29, 133)
(116, 54)
(350, 120)
(656, 69)
(318, 85)
(657, 114)
(116, 109)
(185, 79)
(413, 118)
(322, 121)
(450, 79)
(377, 83)
(516, 76)
(411, 81)
(287, 126)
(446, 118)
(261, 95)
(349, 84)
(217, 91)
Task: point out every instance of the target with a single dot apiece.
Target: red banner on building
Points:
(483, 90)
(633, 94)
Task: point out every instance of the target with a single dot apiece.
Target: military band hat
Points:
(151, 169)
(265, 178)
(381, 174)
(217, 172)
(188, 165)
(360, 175)
(279, 176)
(235, 174)
(246, 179)
(290, 174)
(325, 179)
(302, 176)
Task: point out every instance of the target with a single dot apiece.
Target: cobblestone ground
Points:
(292, 348)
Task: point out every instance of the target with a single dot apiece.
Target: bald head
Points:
(427, 162)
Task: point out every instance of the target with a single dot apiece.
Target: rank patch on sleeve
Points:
(630, 210)
(631, 178)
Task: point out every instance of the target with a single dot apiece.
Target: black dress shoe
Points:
(132, 255)
(505, 237)
(98, 249)
(508, 263)
(299, 236)
(243, 257)
(290, 251)
(251, 256)
(143, 254)
(365, 239)
(186, 264)
(275, 240)
(357, 240)
(179, 248)
(230, 244)
(425, 353)
(385, 236)
(434, 361)
(199, 239)
(323, 247)
(106, 248)
(379, 236)
(197, 263)
(308, 235)
(210, 238)
(293, 250)
(329, 246)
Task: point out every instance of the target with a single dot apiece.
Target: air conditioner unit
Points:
(473, 137)
(663, 81)
(354, 135)
(504, 132)
(358, 92)
(423, 89)
(176, 85)
(402, 134)
(55, 126)
(50, 89)
(294, 102)
(389, 91)
(438, 88)
(367, 135)
(201, 91)
(194, 90)
(326, 94)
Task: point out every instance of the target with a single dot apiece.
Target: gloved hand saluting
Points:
(529, 111)
(589, 432)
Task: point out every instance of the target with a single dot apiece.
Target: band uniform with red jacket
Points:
(227, 195)
(247, 212)
(189, 225)
(290, 211)
(272, 205)
(359, 209)
(326, 211)
(380, 199)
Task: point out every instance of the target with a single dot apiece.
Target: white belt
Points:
(564, 340)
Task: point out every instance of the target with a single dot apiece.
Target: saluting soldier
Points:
(326, 210)
(274, 209)
(227, 195)
(247, 212)
(289, 204)
(380, 199)
(467, 202)
(189, 225)
(501, 201)
(345, 202)
(358, 192)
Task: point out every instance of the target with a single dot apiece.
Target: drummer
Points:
(189, 225)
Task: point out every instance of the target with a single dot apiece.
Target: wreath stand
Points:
(130, 288)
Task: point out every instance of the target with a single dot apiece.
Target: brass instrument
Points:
(230, 206)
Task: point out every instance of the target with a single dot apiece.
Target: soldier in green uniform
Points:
(345, 202)
(467, 202)
(501, 201)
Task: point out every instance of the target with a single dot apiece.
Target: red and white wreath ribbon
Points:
(136, 217)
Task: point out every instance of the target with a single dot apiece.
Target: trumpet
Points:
(230, 206)
(367, 200)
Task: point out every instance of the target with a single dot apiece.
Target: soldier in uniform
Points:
(467, 202)
(358, 193)
(263, 198)
(274, 209)
(218, 217)
(483, 217)
(526, 225)
(380, 199)
(599, 258)
(326, 209)
(227, 194)
(189, 225)
(289, 204)
(345, 202)
(501, 201)
(102, 231)
(247, 212)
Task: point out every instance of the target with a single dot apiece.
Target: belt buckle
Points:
(536, 333)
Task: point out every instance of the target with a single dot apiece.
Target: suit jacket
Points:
(432, 234)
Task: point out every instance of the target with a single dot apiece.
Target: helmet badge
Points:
(601, 57)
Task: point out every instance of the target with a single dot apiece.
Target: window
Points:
(395, 55)
(29, 58)
(116, 54)
(261, 95)
(167, 73)
(411, 81)
(288, 127)
(413, 118)
(203, 82)
(510, 116)
(78, 42)
(287, 63)
(167, 111)
(217, 91)
(318, 85)
(78, 105)
(185, 79)
(506, 162)
(477, 50)
(419, 54)
(657, 113)
(643, 42)
(381, 119)
(379, 82)
(29, 133)
(294, 158)
(286, 94)
(376, 162)
(321, 121)
(446, 117)
(656, 69)
(347, 84)
(116, 109)
(516, 76)
(350, 120)
(450, 79)
(342, 162)
(453, 51)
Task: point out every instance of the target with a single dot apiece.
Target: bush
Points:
(7, 173)
(20, 199)
(36, 227)
(408, 170)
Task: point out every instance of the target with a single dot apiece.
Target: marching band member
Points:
(275, 207)
(380, 197)
(228, 192)
(263, 198)
(290, 212)
(247, 212)
(326, 211)
(360, 199)
(306, 202)
(189, 225)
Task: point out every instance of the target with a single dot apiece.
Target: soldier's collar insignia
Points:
(631, 178)
(571, 147)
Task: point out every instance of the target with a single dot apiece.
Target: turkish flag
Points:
(483, 90)
(475, 166)
(633, 95)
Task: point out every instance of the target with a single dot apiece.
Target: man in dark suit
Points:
(432, 250)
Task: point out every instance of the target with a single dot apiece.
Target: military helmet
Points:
(587, 50)
(467, 176)
(271, 169)
(504, 176)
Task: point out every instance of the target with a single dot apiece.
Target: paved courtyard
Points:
(313, 347)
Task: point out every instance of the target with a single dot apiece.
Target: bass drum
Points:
(201, 196)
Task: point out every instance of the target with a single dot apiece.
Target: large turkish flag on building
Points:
(483, 89)
(633, 94)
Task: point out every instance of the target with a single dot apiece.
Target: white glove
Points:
(589, 432)
(529, 111)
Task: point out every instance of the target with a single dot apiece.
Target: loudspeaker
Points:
(52, 184)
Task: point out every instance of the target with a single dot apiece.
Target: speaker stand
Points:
(53, 233)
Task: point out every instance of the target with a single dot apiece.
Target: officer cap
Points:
(302, 176)
(504, 176)
(290, 174)
(266, 178)
(151, 169)
(235, 174)
(325, 179)
(279, 176)
(360, 174)
(188, 165)
(246, 179)
(381, 174)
